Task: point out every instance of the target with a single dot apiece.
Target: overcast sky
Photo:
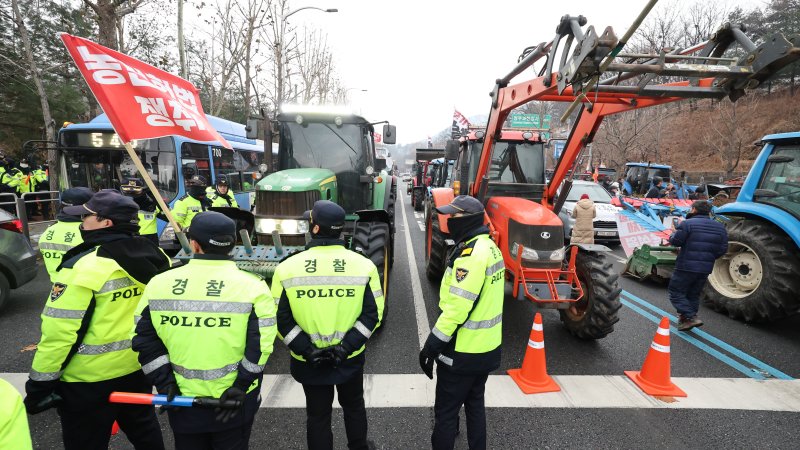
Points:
(420, 59)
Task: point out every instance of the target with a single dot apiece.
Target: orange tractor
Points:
(506, 169)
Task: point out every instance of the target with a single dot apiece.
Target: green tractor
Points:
(324, 155)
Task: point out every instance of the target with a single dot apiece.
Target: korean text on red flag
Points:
(141, 101)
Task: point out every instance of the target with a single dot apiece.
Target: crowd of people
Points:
(119, 318)
(21, 177)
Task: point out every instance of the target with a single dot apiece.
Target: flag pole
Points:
(161, 203)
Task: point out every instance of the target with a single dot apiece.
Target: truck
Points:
(758, 280)
(422, 175)
(507, 172)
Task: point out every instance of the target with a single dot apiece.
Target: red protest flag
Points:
(141, 101)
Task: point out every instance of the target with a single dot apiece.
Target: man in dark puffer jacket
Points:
(702, 240)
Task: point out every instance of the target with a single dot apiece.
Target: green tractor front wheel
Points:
(373, 240)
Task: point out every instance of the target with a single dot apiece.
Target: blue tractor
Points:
(758, 280)
(639, 178)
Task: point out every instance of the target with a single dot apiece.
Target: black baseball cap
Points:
(462, 204)
(107, 203)
(76, 196)
(213, 229)
(326, 214)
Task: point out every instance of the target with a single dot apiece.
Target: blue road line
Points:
(711, 351)
(716, 341)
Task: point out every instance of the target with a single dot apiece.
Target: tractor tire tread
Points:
(603, 291)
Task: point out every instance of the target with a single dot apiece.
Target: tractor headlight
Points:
(528, 254)
(557, 255)
(168, 235)
(287, 226)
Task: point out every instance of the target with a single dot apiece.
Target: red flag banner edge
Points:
(72, 42)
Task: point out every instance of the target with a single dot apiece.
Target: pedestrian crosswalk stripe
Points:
(577, 391)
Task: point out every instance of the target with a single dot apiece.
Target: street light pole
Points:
(279, 47)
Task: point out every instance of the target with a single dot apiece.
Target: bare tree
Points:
(181, 44)
(314, 63)
(109, 19)
(726, 136)
(49, 123)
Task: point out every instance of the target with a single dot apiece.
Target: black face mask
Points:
(197, 191)
(460, 227)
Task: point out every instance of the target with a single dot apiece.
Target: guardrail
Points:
(23, 204)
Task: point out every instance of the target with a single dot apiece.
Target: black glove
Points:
(171, 390)
(231, 402)
(426, 359)
(41, 396)
(320, 357)
(339, 354)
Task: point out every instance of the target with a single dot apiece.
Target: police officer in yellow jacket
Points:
(14, 432)
(194, 202)
(85, 350)
(465, 342)
(148, 207)
(330, 302)
(206, 329)
(65, 234)
(221, 196)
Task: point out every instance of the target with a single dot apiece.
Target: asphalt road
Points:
(394, 351)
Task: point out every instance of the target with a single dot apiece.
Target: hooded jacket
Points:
(583, 230)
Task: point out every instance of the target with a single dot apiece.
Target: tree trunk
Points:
(49, 123)
(107, 24)
(181, 44)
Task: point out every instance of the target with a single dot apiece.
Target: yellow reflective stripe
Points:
(463, 293)
(251, 367)
(478, 324)
(200, 306)
(327, 338)
(268, 322)
(363, 329)
(328, 280)
(204, 374)
(494, 268)
(86, 349)
(439, 334)
(377, 294)
(155, 364)
(113, 285)
(57, 313)
(45, 376)
(292, 334)
(51, 246)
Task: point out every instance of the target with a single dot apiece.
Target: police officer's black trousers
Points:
(452, 391)
(233, 439)
(87, 416)
(319, 405)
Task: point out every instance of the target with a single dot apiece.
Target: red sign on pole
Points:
(141, 101)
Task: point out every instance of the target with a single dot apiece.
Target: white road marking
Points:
(577, 391)
(423, 328)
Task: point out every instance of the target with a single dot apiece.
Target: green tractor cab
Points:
(321, 155)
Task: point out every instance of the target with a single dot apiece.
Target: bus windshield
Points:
(95, 160)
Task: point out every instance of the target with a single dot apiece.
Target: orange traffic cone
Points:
(532, 378)
(114, 428)
(654, 378)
